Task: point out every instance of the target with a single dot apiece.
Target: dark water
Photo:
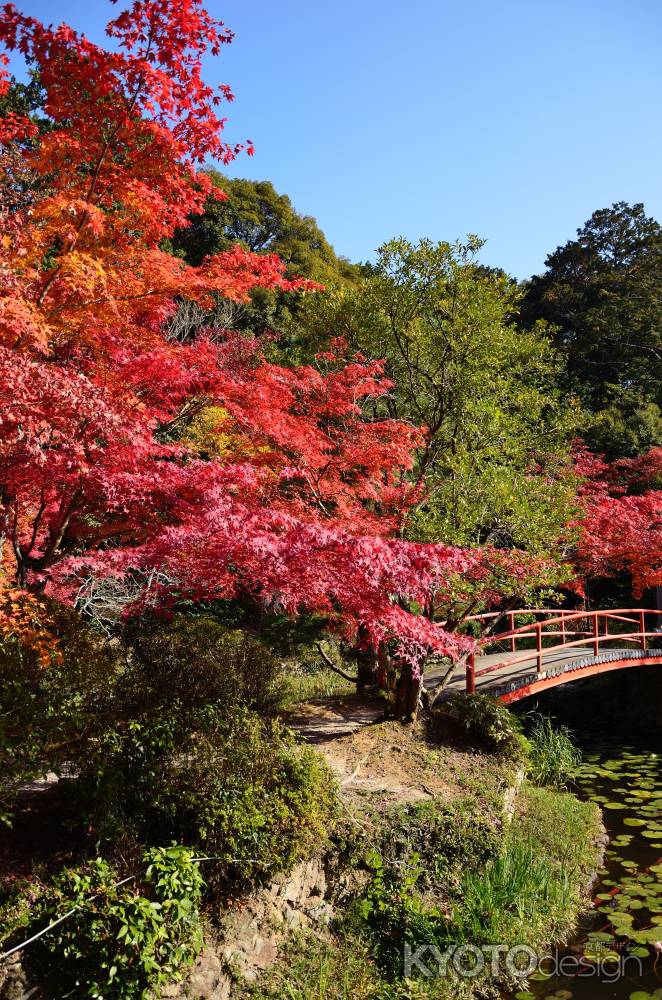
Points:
(617, 952)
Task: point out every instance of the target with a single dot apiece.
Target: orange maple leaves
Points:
(112, 176)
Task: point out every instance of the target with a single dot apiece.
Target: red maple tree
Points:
(300, 504)
(621, 526)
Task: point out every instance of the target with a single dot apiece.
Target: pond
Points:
(617, 952)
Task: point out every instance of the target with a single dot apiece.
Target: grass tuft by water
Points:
(553, 755)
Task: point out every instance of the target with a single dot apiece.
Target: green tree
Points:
(257, 216)
(18, 183)
(264, 221)
(495, 463)
(603, 294)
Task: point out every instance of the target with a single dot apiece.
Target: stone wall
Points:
(253, 933)
(248, 941)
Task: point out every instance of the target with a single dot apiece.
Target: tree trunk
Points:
(366, 662)
(366, 671)
(408, 692)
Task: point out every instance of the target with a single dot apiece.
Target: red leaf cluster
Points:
(621, 526)
(301, 507)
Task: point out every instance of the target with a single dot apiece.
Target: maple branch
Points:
(430, 695)
(188, 412)
(331, 665)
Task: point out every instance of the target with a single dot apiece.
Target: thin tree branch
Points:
(331, 665)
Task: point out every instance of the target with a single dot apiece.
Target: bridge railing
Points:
(514, 633)
(576, 629)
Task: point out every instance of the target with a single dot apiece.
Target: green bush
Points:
(46, 711)
(480, 720)
(237, 787)
(122, 940)
(199, 662)
(447, 838)
(166, 743)
(421, 862)
(394, 914)
(553, 756)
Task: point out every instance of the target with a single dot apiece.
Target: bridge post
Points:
(471, 672)
(596, 634)
(511, 623)
(642, 629)
(539, 646)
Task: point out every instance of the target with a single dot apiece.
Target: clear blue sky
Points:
(512, 119)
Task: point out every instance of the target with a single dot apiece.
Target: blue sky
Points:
(512, 119)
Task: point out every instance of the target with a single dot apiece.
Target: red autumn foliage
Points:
(118, 176)
(97, 473)
(621, 528)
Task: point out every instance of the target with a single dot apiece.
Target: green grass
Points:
(537, 888)
(312, 685)
(341, 969)
(553, 757)
(565, 828)
(17, 897)
(531, 891)
(519, 889)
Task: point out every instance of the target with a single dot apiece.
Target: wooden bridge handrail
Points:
(564, 619)
(520, 611)
(488, 640)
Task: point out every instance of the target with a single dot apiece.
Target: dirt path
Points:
(379, 762)
(323, 721)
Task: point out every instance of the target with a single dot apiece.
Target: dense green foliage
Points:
(52, 716)
(486, 391)
(527, 890)
(165, 743)
(255, 215)
(124, 938)
(198, 663)
(480, 720)
(46, 713)
(441, 838)
(233, 786)
(601, 292)
(396, 914)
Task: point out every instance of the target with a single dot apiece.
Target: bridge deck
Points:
(508, 679)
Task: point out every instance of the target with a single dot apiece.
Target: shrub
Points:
(198, 662)
(553, 757)
(238, 788)
(46, 708)
(480, 720)
(122, 940)
(447, 838)
(422, 859)
(394, 914)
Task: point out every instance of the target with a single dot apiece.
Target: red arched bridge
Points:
(556, 647)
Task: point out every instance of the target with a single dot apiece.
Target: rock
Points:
(207, 980)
